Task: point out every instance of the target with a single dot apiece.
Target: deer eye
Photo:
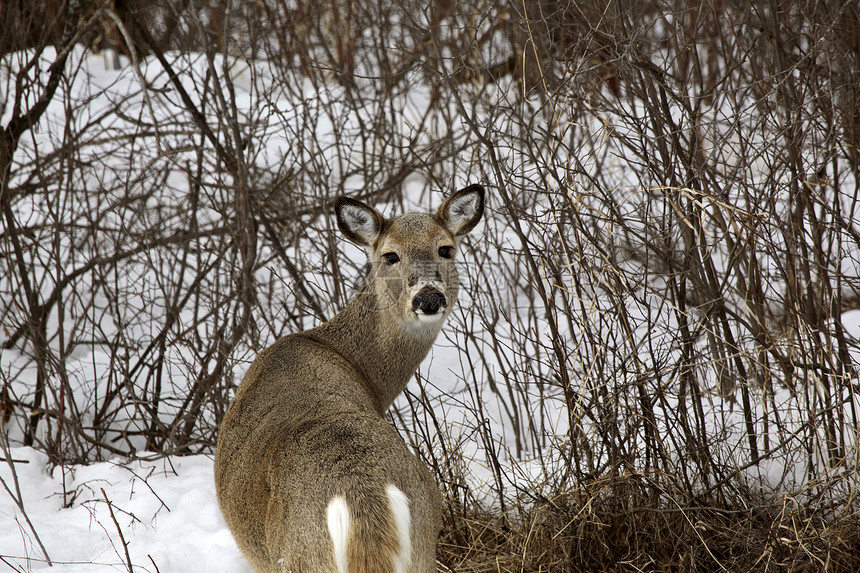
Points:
(390, 258)
(446, 252)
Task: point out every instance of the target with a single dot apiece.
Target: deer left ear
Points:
(461, 211)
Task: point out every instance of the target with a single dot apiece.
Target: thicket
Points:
(655, 367)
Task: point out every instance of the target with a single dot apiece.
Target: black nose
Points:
(428, 301)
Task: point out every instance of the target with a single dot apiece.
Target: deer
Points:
(310, 477)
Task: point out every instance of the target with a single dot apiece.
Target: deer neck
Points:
(385, 352)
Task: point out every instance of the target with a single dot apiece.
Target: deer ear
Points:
(461, 211)
(360, 223)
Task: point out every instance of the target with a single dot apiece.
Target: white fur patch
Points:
(338, 520)
(430, 318)
(399, 504)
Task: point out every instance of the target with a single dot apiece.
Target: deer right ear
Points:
(461, 211)
(360, 223)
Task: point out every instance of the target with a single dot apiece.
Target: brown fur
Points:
(373, 545)
(306, 424)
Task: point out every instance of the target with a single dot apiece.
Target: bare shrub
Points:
(651, 363)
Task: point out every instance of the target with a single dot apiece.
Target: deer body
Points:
(310, 477)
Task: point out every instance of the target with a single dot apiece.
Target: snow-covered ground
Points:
(163, 513)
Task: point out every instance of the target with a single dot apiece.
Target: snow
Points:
(165, 510)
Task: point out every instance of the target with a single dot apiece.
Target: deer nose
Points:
(429, 301)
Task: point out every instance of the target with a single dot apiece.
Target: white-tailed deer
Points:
(310, 477)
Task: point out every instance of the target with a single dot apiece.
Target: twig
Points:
(19, 499)
(11, 566)
(119, 530)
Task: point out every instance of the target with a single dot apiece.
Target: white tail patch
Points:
(338, 529)
(399, 504)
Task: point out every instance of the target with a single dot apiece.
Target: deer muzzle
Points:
(429, 301)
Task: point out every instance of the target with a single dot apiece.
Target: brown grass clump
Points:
(614, 524)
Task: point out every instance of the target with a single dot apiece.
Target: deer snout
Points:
(429, 302)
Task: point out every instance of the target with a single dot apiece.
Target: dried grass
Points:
(612, 525)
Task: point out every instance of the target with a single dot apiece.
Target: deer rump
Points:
(337, 489)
